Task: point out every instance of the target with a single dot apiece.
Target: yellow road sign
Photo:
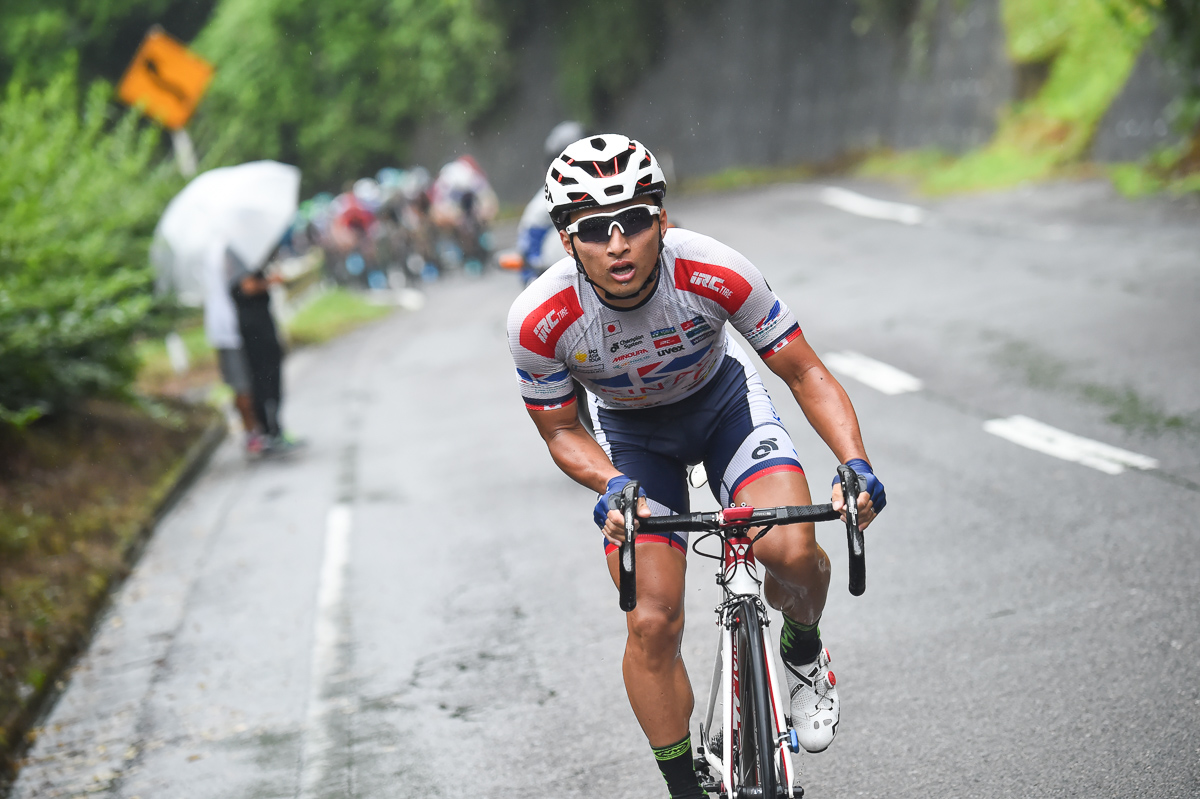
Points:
(166, 79)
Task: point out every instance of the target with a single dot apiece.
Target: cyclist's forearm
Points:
(830, 413)
(580, 458)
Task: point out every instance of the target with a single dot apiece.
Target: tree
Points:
(335, 87)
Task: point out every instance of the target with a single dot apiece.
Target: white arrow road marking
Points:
(1052, 441)
(876, 374)
(326, 663)
(855, 203)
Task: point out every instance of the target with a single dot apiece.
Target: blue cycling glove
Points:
(867, 481)
(608, 501)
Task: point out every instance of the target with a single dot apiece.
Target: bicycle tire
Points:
(756, 753)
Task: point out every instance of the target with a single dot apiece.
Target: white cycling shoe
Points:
(815, 704)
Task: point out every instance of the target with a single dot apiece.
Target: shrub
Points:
(79, 198)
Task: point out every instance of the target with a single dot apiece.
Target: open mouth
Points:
(622, 272)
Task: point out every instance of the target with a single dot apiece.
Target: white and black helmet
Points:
(601, 170)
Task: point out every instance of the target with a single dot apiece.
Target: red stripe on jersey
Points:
(542, 329)
(720, 284)
(554, 407)
(783, 342)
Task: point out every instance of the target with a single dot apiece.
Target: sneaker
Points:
(815, 704)
(283, 444)
(256, 444)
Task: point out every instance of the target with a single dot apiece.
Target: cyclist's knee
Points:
(797, 550)
(656, 628)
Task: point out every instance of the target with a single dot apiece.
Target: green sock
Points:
(799, 643)
(675, 763)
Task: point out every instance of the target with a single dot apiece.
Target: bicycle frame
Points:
(742, 594)
(742, 589)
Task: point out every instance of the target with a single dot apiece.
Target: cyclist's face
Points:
(622, 264)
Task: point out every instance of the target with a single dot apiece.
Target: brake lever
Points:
(625, 556)
(854, 536)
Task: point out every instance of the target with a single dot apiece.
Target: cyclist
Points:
(637, 313)
(537, 248)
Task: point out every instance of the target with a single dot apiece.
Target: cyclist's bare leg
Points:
(797, 580)
(655, 678)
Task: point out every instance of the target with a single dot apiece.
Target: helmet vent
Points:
(645, 162)
(611, 190)
(598, 143)
(576, 196)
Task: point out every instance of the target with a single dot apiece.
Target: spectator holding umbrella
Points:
(224, 335)
(250, 291)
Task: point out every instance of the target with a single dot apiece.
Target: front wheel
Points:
(754, 757)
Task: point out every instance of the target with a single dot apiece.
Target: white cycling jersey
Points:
(656, 353)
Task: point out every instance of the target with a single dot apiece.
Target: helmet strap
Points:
(608, 296)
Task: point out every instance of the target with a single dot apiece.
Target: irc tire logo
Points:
(720, 284)
(764, 448)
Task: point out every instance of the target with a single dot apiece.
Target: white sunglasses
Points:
(597, 228)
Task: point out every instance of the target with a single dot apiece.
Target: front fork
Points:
(724, 679)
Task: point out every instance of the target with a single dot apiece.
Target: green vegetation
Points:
(745, 177)
(337, 87)
(1126, 408)
(79, 194)
(76, 492)
(332, 314)
(1076, 55)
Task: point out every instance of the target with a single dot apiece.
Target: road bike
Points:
(747, 749)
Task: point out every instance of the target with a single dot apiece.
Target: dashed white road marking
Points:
(1052, 441)
(861, 205)
(876, 374)
(326, 639)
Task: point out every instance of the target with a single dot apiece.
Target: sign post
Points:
(166, 81)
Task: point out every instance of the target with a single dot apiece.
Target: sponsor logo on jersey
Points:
(629, 355)
(592, 356)
(670, 350)
(720, 284)
(666, 331)
(611, 329)
(542, 329)
(695, 321)
(668, 341)
(700, 333)
(626, 343)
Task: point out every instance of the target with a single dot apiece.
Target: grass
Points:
(1126, 407)
(332, 314)
(745, 177)
(76, 492)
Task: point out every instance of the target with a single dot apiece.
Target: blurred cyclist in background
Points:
(537, 248)
(464, 206)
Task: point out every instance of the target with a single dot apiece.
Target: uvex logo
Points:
(711, 282)
(549, 322)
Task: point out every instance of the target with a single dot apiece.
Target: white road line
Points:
(326, 639)
(1052, 441)
(876, 374)
(855, 203)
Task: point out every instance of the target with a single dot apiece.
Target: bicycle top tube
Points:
(730, 518)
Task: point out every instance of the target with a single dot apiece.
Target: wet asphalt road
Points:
(1031, 626)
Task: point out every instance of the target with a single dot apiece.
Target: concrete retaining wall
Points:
(761, 82)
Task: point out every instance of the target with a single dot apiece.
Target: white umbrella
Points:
(246, 207)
